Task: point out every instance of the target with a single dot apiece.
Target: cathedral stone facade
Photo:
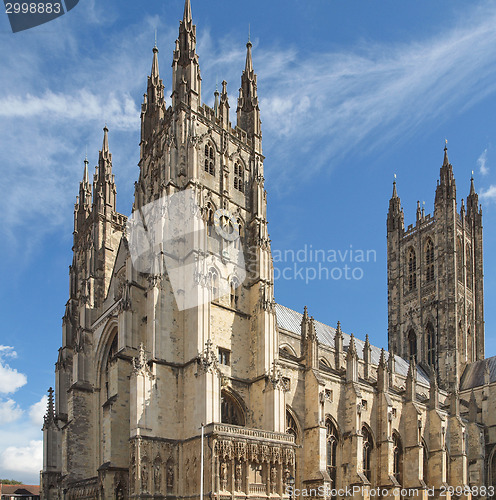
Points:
(241, 397)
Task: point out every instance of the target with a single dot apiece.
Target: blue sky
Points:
(350, 94)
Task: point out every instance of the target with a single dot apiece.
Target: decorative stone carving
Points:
(157, 474)
(140, 364)
(170, 477)
(223, 475)
(207, 359)
(238, 476)
(144, 476)
(240, 450)
(273, 478)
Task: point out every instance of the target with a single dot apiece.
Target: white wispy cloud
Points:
(489, 194)
(482, 162)
(6, 350)
(83, 106)
(37, 411)
(10, 378)
(9, 411)
(316, 106)
(25, 460)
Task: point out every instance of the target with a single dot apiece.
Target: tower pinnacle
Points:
(187, 17)
(105, 146)
(248, 112)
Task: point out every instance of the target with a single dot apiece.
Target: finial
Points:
(445, 161)
(105, 146)
(187, 11)
(472, 178)
(155, 46)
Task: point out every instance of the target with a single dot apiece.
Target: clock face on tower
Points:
(226, 225)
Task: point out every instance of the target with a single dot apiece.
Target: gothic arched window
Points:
(468, 262)
(112, 351)
(412, 269)
(331, 451)
(291, 427)
(459, 258)
(213, 277)
(412, 345)
(234, 293)
(492, 469)
(209, 159)
(230, 410)
(397, 458)
(238, 176)
(429, 260)
(431, 345)
(367, 452)
(210, 220)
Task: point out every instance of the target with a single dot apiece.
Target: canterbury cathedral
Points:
(232, 395)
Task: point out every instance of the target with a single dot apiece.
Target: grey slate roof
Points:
(290, 320)
(473, 375)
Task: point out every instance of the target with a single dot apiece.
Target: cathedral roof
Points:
(290, 320)
(474, 373)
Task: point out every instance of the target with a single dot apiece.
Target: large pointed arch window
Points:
(230, 410)
(412, 345)
(431, 345)
(429, 261)
(412, 269)
(331, 451)
(397, 458)
(367, 452)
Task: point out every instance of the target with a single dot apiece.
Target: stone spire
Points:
(153, 107)
(352, 362)
(338, 346)
(82, 208)
(367, 354)
(382, 373)
(224, 106)
(187, 17)
(104, 189)
(248, 112)
(472, 200)
(446, 189)
(186, 79)
(411, 381)
(395, 218)
(433, 392)
(216, 102)
(49, 417)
